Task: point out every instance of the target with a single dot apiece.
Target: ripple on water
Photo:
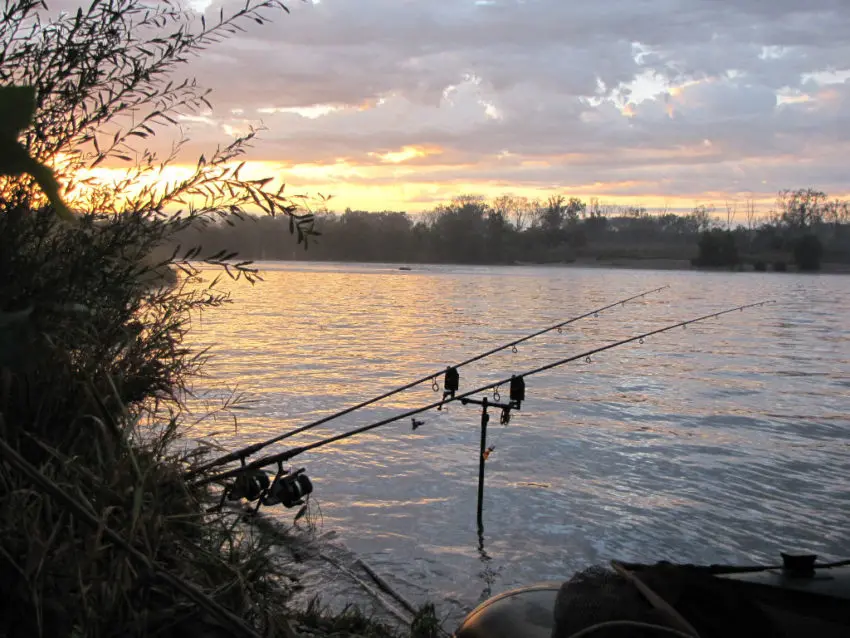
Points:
(727, 441)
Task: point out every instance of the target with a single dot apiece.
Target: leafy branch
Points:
(101, 89)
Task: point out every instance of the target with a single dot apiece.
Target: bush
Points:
(94, 366)
(808, 252)
(759, 266)
(717, 249)
(92, 359)
(780, 266)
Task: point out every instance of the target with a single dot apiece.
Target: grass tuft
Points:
(100, 535)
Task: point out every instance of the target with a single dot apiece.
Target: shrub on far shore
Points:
(808, 252)
(717, 249)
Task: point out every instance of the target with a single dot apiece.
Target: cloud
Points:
(652, 98)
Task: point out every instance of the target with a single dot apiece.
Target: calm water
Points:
(725, 441)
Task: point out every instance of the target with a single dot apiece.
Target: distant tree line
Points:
(805, 227)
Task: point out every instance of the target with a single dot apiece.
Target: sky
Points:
(402, 104)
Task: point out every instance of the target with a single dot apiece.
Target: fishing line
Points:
(450, 372)
(293, 452)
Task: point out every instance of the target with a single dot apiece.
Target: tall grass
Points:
(92, 378)
(99, 533)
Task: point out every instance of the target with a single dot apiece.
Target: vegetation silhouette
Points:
(507, 230)
(94, 368)
(717, 249)
(808, 252)
(99, 533)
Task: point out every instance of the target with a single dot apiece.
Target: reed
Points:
(100, 535)
(94, 371)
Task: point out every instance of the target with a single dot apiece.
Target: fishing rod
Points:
(451, 385)
(293, 452)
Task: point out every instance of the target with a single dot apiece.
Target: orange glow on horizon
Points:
(382, 187)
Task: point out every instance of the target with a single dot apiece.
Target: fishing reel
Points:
(288, 489)
(249, 485)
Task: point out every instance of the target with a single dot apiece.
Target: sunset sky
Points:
(401, 104)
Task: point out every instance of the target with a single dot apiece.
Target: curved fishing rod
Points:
(293, 452)
(241, 454)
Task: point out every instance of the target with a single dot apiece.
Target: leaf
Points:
(46, 180)
(14, 160)
(300, 513)
(17, 107)
(7, 318)
(71, 307)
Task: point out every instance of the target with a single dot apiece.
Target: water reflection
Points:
(723, 442)
(487, 575)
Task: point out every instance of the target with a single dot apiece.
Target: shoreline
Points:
(633, 263)
(624, 263)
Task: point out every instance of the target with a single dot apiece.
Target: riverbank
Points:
(623, 263)
(331, 591)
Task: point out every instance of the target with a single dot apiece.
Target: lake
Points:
(726, 441)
